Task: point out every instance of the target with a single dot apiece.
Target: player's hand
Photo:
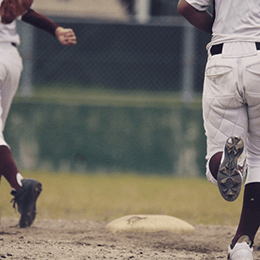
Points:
(66, 36)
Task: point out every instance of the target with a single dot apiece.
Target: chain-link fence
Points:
(158, 56)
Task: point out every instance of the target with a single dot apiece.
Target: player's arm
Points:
(202, 20)
(66, 36)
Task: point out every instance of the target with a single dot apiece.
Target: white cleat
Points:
(241, 251)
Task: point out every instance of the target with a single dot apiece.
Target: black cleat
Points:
(229, 176)
(25, 198)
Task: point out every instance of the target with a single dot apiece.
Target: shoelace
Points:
(14, 202)
(15, 199)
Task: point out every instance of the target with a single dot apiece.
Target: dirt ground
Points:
(60, 239)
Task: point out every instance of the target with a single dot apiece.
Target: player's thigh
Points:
(10, 85)
(5, 97)
(253, 144)
(221, 122)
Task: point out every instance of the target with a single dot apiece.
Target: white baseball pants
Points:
(231, 102)
(10, 72)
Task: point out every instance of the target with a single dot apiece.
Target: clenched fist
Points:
(66, 36)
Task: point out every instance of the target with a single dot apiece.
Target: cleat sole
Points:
(229, 179)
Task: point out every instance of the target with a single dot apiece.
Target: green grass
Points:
(103, 97)
(103, 197)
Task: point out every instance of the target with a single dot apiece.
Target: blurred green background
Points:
(61, 135)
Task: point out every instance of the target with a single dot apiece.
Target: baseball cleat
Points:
(229, 176)
(25, 198)
(241, 251)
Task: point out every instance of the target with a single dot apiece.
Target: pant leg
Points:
(10, 71)
(224, 110)
(12, 64)
(252, 96)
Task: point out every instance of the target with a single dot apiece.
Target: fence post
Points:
(26, 50)
(142, 10)
(188, 64)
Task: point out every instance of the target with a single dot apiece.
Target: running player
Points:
(25, 191)
(231, 102)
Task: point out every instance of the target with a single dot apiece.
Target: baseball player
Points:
(25, 191)
(231, 106)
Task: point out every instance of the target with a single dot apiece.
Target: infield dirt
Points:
(60, 239)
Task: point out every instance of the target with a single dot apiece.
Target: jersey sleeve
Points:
(40, 21)
(200, 5)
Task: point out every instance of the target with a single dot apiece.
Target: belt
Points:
(217, 49)
(14, 44)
